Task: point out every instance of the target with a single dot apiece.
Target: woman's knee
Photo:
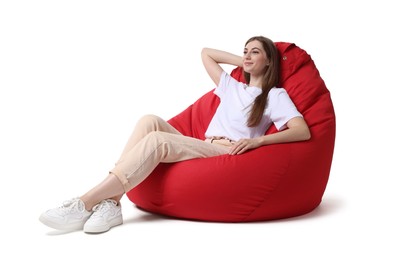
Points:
(150, 121)
(149, 118)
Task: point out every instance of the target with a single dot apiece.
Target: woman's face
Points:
(254, 58)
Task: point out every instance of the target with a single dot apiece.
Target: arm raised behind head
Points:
(212, 59)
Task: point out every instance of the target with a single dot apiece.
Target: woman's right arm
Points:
(211, 59)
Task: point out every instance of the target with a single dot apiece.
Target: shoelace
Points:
(103, 206)
(69, 205)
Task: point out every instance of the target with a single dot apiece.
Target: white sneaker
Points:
(107, 214)
(72, 215)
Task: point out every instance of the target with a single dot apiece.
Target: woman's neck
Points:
(256, 81)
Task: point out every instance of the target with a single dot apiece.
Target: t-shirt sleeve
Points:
(282, 108)
(226, 81)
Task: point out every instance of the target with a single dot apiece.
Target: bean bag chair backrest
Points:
(301, 79)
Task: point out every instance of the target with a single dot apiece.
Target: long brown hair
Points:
(271, 79)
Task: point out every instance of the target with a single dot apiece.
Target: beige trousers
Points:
(155, 141)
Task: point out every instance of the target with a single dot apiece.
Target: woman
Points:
(244, 114)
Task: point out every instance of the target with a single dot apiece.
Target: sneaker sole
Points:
(68, 227)
(100, 229)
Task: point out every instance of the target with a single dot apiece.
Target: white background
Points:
(76, 75)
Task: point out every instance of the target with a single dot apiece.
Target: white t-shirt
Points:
(236, 99)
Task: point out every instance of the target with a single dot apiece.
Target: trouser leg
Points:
(139, 160)
(146, 125)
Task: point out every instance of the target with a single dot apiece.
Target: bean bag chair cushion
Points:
(270, 182)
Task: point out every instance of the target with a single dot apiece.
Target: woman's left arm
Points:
(297, 130)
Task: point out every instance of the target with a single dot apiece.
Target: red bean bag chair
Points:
(270, 182)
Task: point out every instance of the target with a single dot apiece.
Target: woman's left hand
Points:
(244, 145)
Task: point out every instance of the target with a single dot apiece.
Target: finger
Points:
(234, 149)
(242, 150)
